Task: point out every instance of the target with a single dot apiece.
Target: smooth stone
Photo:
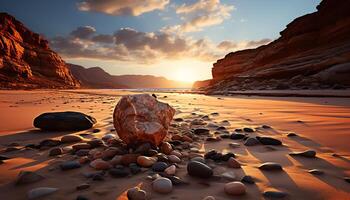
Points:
(237, 136)
(136, 194)
(55, 151)
(306, 154)
(316, 172)
(40, 192)
(25, 177)
(64, 121)
(292, 135)
(162, 185)
(201, 131)
(166, 148)
(171, 170)
(235, 188)
(79, 146)
(248, 130)
(95, 143)
(274, 194)
(81, 197)
(83, 186)
(100, 164)
(233, 163)
(176, 153)
(70, 165)
(129, 158)
(116, 160)
(82, 152)
(119, 172)
(198, 169)
(234, 145)
(145, 161)
(159, 166)
(251, 142)
(225, 157)
(143, 148)
(71, 139)
(247, 179)
(271, 166)
(269, 141)
(174, 159)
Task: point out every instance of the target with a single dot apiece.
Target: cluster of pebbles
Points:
(110, 156)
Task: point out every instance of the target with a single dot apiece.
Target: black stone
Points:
(269, 141)
(64, 121)
(119, 171)
(237, 136)
(198, 169)
(201, 131)
(70, 165)
(159, 166)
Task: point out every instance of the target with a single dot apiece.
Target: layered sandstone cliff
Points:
(26, 61)
(313, 52)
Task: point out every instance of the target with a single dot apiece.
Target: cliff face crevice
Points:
(307, 49)
(26, 61)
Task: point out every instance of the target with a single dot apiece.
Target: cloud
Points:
(122, 7)
(83, 32)
(235, 46)
(203, 13)
(134, 46)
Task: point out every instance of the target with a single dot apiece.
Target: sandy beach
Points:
(321, 124)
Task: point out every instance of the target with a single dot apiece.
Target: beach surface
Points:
(321, 124)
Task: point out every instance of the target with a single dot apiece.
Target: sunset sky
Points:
(173, 38)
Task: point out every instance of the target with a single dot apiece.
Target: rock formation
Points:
(142, 118)
(96, 77)
(26, 60)
(313, 52)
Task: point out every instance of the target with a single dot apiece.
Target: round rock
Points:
(235, 188)
(198, 169)
(162, 185)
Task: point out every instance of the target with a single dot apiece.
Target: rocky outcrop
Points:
(313, 52)
(96, 77)
(26, 60)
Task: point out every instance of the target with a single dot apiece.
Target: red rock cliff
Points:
(314, 47)
(26, 61)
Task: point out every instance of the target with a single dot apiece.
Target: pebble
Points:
(40, 192)
(198, 169)
(50, 142)
(171, 170)
(129, 158)
(274, 194)
(316, 172)
(136, 194)
(306, 154)
(119, 171)
(70, 165)
(145, 161)
(100, 164)
(134, 168)
(55, 151)
(201, 131)
(83, 186)
(174, 159)
(176, 153)
(233, 163)
(251, 142)
(25, 177)
(162, 185)
(159, 166)
(247, 179)
(237, 136)
(108, 137)
(292, 135)
(235, 188)
(82, 152)
(143, 148)
(79, 146)
(248, 130)
(81, 197)
(166, 148)
(234, 145)
(71, 138)
(270, 166)
(199, 159)
(269, 141)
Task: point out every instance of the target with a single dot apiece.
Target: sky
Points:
(177, 39)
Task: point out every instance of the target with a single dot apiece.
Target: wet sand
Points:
(321, 124)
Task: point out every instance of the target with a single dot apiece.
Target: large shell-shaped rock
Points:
(142, 118)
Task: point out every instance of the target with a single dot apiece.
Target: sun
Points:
(185, 75)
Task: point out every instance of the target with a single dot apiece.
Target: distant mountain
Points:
(96, 77)
(26, 60)
(313, 52)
